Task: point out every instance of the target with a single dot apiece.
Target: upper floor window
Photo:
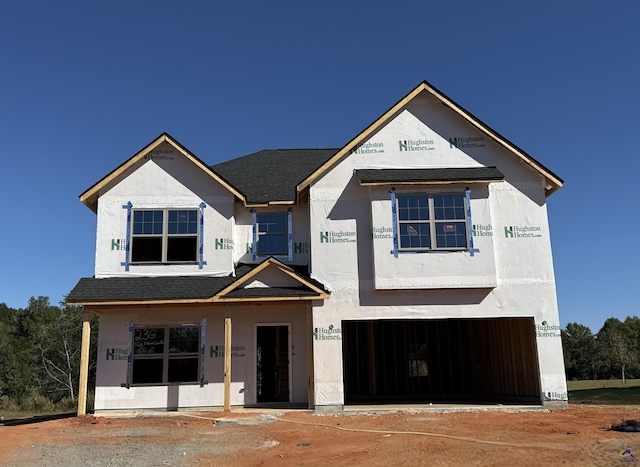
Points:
(432, 222)
(272, 234)
(164, 236)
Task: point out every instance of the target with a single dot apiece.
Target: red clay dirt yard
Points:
(579, 435)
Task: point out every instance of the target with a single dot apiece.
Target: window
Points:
(165, 354)
(432, 222)
(272, 234)
(164, 236)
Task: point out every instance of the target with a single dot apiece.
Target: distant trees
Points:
(614, 352)
(580, 349)
(40, 354)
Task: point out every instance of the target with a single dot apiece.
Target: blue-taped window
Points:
(164, 236)
(432, 222)
(166, 354)
(272, 234)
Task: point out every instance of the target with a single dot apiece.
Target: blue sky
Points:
(85, 85)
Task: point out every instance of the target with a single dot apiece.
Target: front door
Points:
(272, 363)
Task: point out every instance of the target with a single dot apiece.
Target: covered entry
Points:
(444, 360)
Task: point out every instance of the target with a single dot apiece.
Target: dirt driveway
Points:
(576, 436)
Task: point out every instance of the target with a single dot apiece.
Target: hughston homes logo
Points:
(368, 148)
(330, 236)
(160, 154)
(327, 334)
(480, 230)
(462, 142)
(382, 232)
(522, 231)
(416, 145)
(217, 351)
(224, 244)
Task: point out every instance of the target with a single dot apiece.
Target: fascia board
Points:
(431, 182)
(220, 296)
(553, 180)
(364, 134)
(298, 298)
(90, 196)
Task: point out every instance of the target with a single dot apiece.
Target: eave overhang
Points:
(90, 196)
(437, 176)
(193, 290)
(552, 181)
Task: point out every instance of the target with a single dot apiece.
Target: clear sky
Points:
(85, 85)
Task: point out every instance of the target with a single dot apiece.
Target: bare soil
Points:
(579, 435)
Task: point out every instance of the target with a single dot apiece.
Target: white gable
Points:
(165, 179)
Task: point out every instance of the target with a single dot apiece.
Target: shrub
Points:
(36, 403)
(8, 405)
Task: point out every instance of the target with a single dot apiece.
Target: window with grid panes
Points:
(165, 354)
(432, 222)
(272, 234)
(164, 236)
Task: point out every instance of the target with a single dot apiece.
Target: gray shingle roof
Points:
(133, 289)
(272, 174)
(367, 176)
(91, 289)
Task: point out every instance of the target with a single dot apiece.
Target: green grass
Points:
(604, 391)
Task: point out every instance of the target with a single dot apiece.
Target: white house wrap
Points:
(412, 265)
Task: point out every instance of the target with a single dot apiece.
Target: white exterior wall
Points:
(511, 276)
(112, 356)
(164, 183)
(436, 270)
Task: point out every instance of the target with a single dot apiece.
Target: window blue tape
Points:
(394, 225)
(201, 249)
(129, 352)
(127, 248)
(202, 346)
(290, 233)
(472, 250)
(254, 253)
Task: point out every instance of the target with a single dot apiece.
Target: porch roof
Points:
(164, 290)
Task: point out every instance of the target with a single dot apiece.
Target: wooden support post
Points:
(310, 388)
(84, 363)
(227, 364)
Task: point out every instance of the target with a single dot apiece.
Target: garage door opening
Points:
(441, 361)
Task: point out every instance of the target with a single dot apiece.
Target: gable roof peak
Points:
(90, 196)
(553, 182)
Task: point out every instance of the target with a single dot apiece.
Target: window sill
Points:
(148, 385)
(402, 252)
(181, 263)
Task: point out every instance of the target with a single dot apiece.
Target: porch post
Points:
(84, 363)
(227, 362)
(310, 388)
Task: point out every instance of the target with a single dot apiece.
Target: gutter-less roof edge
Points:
(552, 179)
(90, 196)
(535, 164)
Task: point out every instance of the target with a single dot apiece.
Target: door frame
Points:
(255, 358)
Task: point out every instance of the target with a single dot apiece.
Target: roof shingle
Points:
(272, 174)
(177, 288)
(369, 176)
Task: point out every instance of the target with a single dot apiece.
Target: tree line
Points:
(613, 352)
(40, 354)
